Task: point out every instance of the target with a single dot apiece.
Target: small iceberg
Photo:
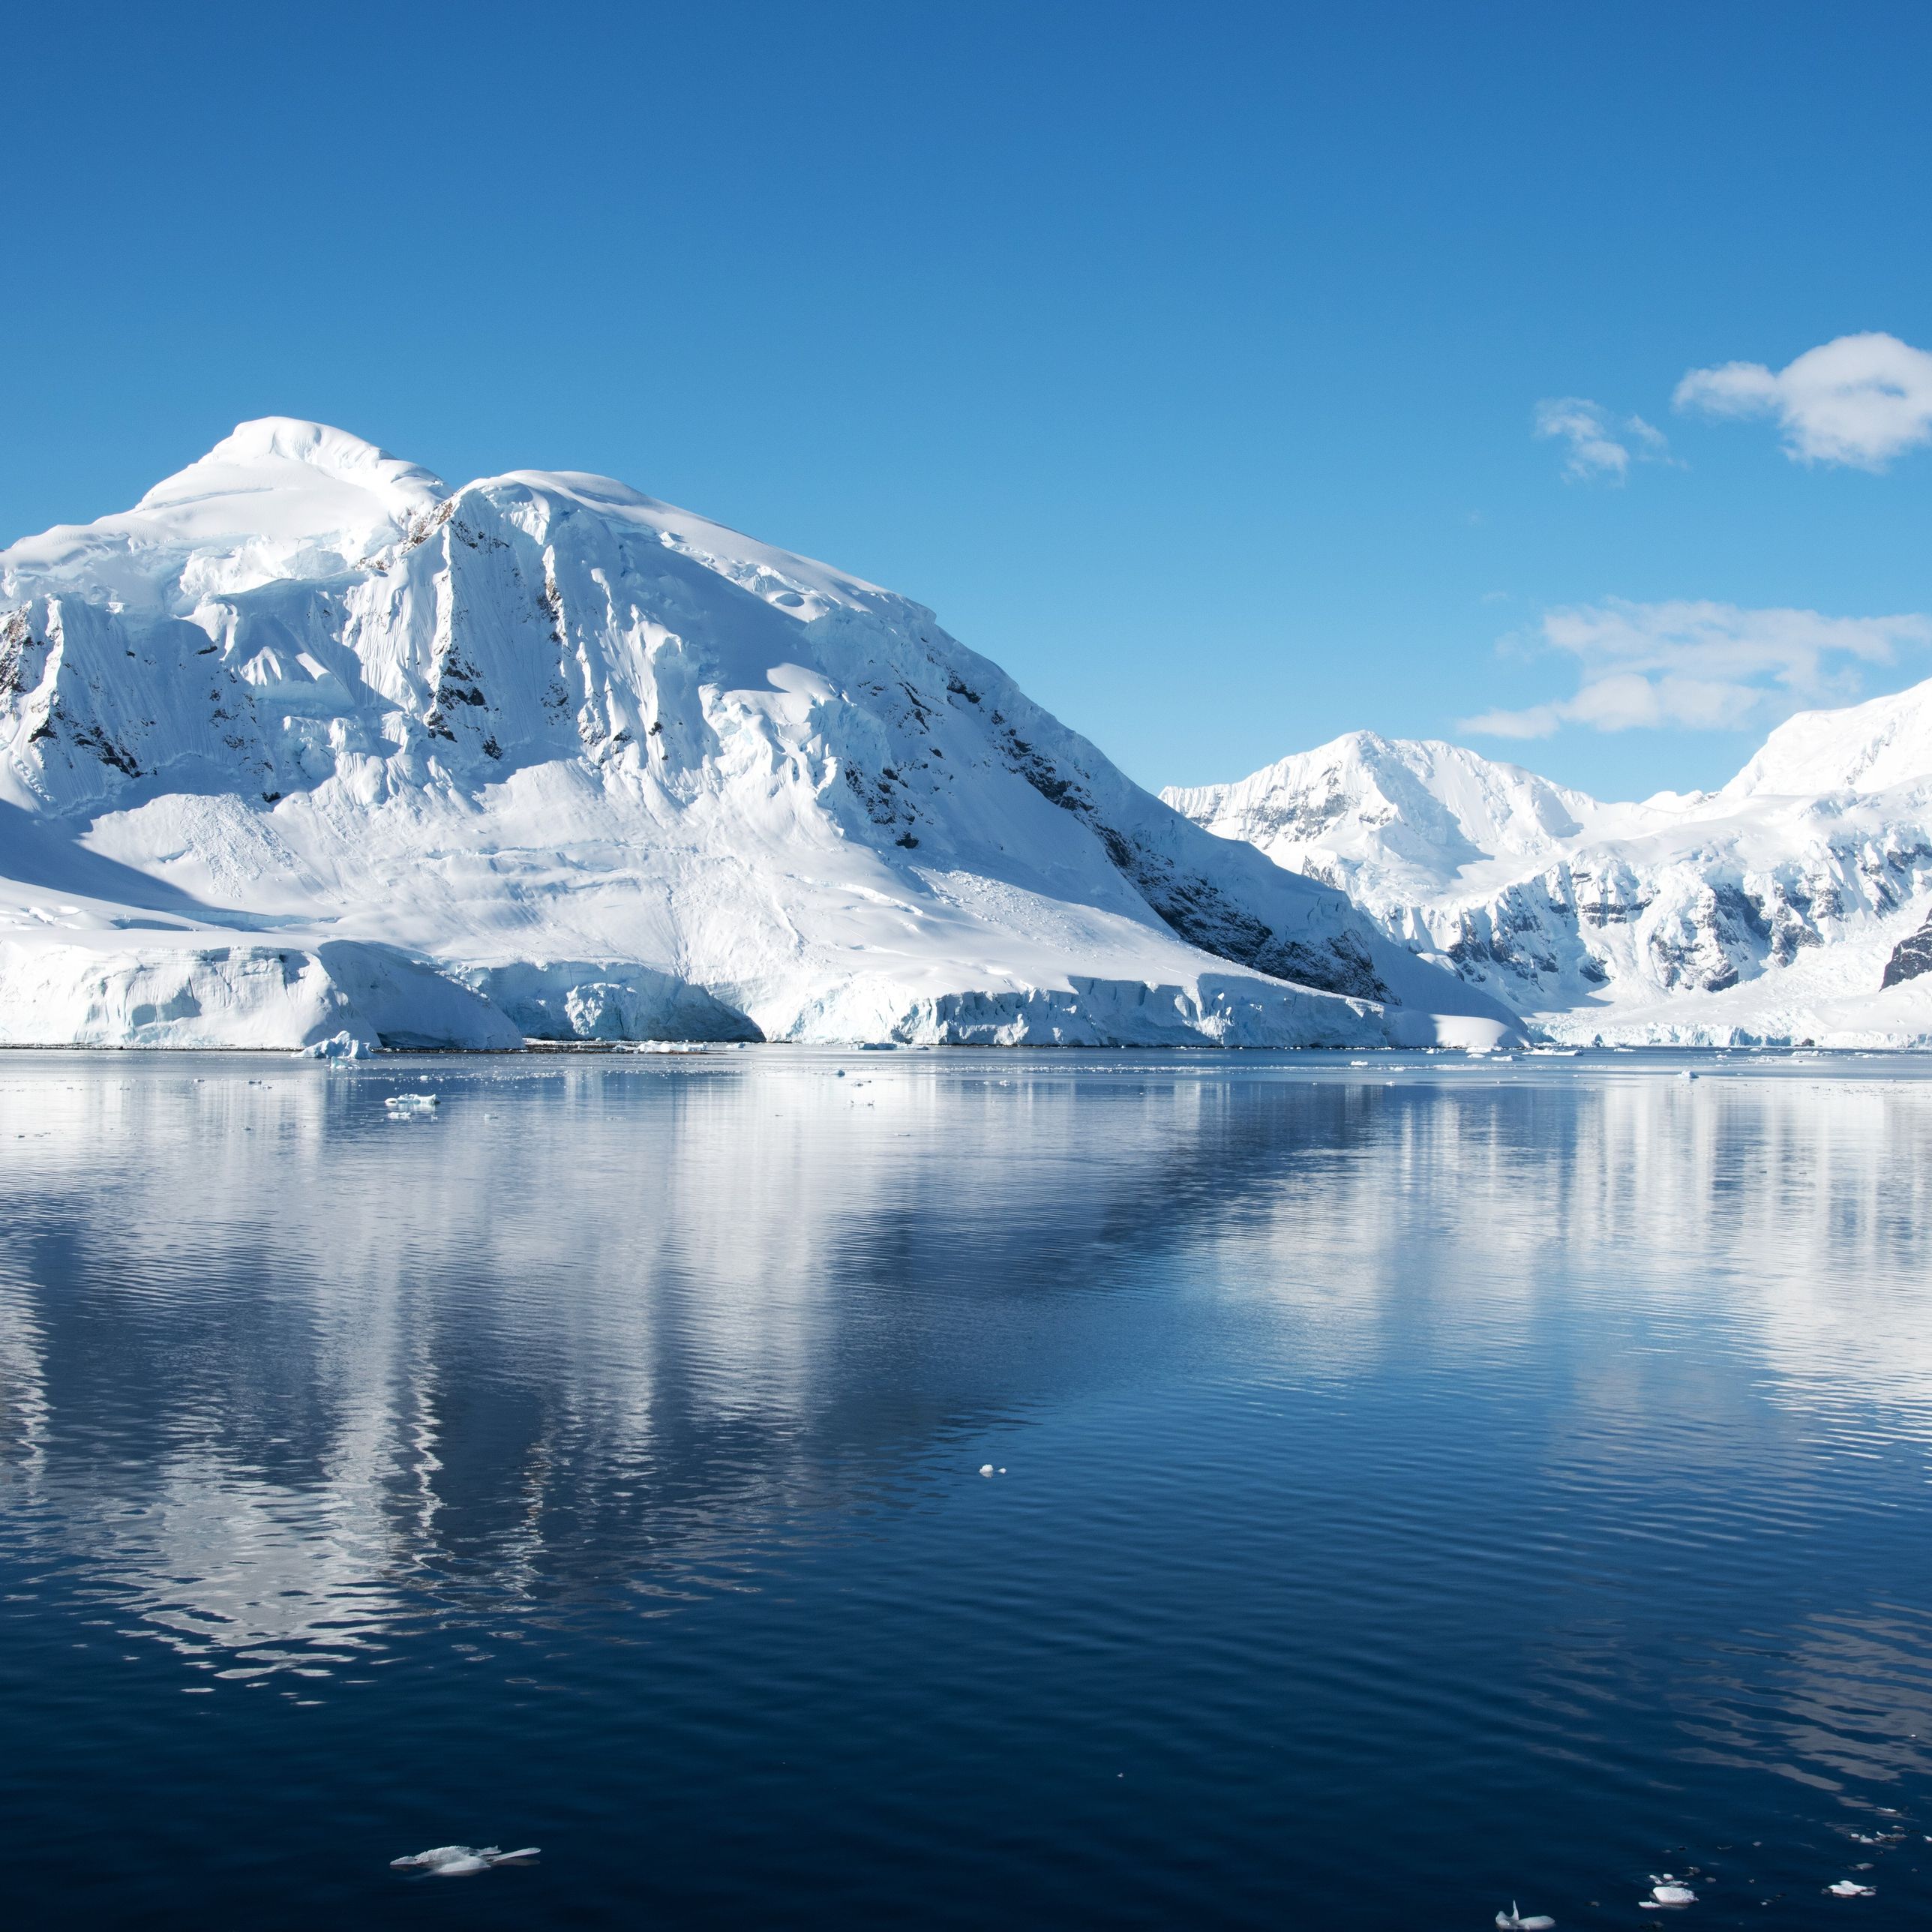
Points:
(337, 1046)
(411, 1103)
(1667, 1894)
(461, 1861)
(1849, 1888)
(1512, 1920)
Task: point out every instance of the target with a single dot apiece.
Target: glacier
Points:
(1793, 906)
(310, 749)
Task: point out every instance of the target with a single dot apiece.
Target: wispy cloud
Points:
(1860, 400)
(1703, 665)
(1598, 446)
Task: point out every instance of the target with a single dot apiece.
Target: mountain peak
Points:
(1872, 747)
(267, 443)
(277, 499)
(321, 480)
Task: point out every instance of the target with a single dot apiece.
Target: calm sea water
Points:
(1422, 1484)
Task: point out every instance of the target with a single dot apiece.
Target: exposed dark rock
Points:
(1910, 957)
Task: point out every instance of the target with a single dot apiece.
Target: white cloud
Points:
(1860, 400)
(1600, 445)
(1707, 666)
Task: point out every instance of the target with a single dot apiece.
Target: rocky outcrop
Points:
(1911, 959)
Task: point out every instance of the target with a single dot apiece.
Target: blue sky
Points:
(1188, 362)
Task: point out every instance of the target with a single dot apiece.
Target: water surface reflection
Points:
(1427, 1480)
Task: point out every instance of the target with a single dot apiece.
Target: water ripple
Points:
(1423, 1485)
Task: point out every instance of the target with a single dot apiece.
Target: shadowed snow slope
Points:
(307, 742)
(1791, 906)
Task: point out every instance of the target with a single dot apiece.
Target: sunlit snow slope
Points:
(1795, 904)
(306, 742)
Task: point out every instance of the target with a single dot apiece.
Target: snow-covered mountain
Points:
(307, 742)
(1794, 904)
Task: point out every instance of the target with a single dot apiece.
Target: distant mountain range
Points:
(1792, 906)
(307, 743)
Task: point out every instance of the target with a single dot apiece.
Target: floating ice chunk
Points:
(1847, 1888)
(461, 1861)
(1512, 1920)
(410, 1103)
(1667, 1894)
(337, 1046)
(985, 1469)
(442, 1858)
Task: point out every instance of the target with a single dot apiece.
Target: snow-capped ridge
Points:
(1427, 810)
(257, 450)
(719, 546)
(600, 766)
(277, 499)
(1876, 746)
(1792, 903)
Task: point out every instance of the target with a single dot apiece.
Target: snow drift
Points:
(307, 744)
(1794, 905)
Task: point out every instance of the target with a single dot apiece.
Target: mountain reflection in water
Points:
(1429, 1482)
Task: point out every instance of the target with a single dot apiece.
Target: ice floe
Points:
(1667, 1894)
(1513, 1921)
(461, 1861)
